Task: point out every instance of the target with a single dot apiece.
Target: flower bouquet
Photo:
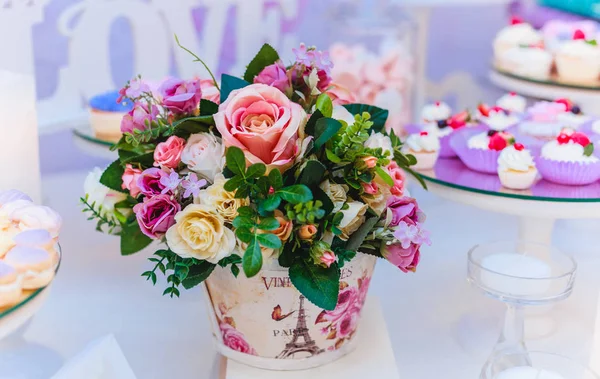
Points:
(273, 196)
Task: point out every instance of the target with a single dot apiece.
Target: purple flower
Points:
(149, 181)
(323, 61)
(303, 56)
(133, 89)
(422, 236)
(170, 182)
(404, 209)
(192, 185)
(156, 215)
(274, 75)
(406, 234)
(180, 96)
(406, 259)
(140, 117)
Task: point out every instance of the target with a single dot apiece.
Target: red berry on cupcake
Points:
(458, 120)
(563, 138)
(580, 138)
(566, 102)
(484, 109)
(497, 142)
(519, 146)
(424, 134)
(579, 34)
(514, 20)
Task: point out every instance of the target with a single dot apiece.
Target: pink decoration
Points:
(168, 153)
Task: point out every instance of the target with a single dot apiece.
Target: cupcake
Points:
(556, 32)
(512, 103)
(480, 150)
(444, 129)
(578, 60)
(35, 265)
(497, 118)
(542, 120)
(106, 115)
(438, 111)
(569, 159)
(10, 285)
(425, 147)
(516, 167)
(528, 62)
(573, 117)
(516, 34)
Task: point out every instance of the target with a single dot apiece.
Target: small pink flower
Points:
(156, 215)
(399, 178)
(130, 180)
(370, 188)
(405, 259)
(140, 117)
(235, 340)
(180, 96)
(370, 162)
(210, 91)
(168, 153)
(274, 75)
(328, 258)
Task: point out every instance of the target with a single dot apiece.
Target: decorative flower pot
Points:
(265, 322)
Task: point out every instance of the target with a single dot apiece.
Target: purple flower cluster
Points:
(313, 58)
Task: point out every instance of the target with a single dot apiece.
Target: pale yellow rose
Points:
(200, 233)
(223, 201)
(353, 218)
(336, 192)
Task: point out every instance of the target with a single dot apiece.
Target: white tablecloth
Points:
(428, 314)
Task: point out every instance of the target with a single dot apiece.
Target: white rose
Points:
(37, 217)
(204, 155)
(100, 195)
(224, 202)
(341, 113)
(377, 140)
(336, 192)
(354, 217)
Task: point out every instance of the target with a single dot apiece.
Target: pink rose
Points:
(149, 182)
(347, 300)
(140, 117)
(168, 153)
(399, 178)
(274, 75)
(328, 258)
(264, 123)
(348, 323)
(370, 188)
(156, 215)
(340, 95)
(180, 96)
(130, 180)
(210, 91)
(405, 259)
(363, 289)
(405, 209)
(135, 88)
(235, 340)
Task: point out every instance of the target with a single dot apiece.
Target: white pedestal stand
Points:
(373, 358)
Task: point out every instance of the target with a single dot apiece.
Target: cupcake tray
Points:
(554, 80)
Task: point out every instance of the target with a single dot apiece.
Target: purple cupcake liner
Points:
(568, 173)
(480, 160)
(446, 151)
(413, 128)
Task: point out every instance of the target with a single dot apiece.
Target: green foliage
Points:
(265, 57)
(344, 256)
(208, 108)
(588, 150)
(378, 116)
(312, 122)
(325, 105)
(230, 83)
(325, 129)
(96, 212)
(236, 161)
(132, 239)
(349, 143)
(195, 274)
(318, 284)
(192, 125)
(305, 213)
(113, 176)
(144, 160)
(312, 174)
(298, 193)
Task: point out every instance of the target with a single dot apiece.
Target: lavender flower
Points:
(192, 185)
(170, 182)
(406, 234)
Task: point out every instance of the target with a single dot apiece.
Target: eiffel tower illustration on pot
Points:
(295, 346)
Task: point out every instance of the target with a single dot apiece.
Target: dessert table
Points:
(97, 292)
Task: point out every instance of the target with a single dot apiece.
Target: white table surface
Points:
(98, 292)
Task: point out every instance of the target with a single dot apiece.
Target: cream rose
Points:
(204, 155)
(377, 140)
(223, 201)
(378, 201)
(100, 195)
(336, 192)
(354, 217)
(200, 233)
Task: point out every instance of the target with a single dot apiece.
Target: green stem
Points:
(199, 60)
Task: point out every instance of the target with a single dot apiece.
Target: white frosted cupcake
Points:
(542, 121)
(556, 32)
(36, 266)
(10, 285)
(512, 103)
(529, 62)
(438, 111)
(578, 60)
(514, 35)
(498, 119)
(425, 147)
(516, 167)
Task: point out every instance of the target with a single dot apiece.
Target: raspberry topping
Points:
(580, 138)
(497, 142)
(458, 120)
(566, 102)
(423, 134)
(484, 109)
(578, 34)
(514, 20)
(563, 138)
(519, 146)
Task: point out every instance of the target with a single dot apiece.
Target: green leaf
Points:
(588, 150)
(256, 170)
(312, 174)
(244, 234)
(112, 177)
(325, 105)
(269, 223)
(236, 161)
(332, 157)
(263, 185)
(252, 261)
(287, 257)
(312, 122)
(325, 129)
(320, 195)
(378, 116)
(146, 160)
(124, 155)
(359, 236)
(275, 179)
(132, 239)
(197, 274)
(385, 176)
(592, 42)
(270, 203)
(242, 222)
(266, 56)
(344, 256)
(193, 125)
(235, 270)
(230, 83)
(232, 184)
(318, 284)
(417, 176)
(269, 240)
(246, 211)
(295, 194)
(208, 108)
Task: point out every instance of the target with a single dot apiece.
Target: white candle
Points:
(513, 273)
(528, 373)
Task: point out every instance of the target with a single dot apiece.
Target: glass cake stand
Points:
(519, 274)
